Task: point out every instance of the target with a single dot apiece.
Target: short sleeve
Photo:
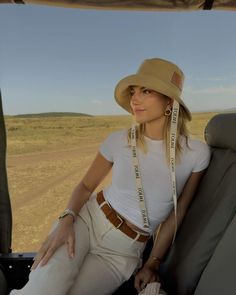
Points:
(202, 158)
(107, 147)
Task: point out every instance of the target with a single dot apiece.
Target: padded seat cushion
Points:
(219, 275)
(209, 215)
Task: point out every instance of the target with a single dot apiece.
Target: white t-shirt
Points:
(155, 176)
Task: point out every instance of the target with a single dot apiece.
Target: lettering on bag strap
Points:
(173, 135)
(139, 186)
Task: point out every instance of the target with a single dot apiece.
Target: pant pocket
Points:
(117, 241)
(100, 223)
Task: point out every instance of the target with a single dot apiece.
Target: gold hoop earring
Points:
(168, 112)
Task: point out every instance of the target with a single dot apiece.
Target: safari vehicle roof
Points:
(159, 5)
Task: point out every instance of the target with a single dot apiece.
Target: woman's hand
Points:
(144, 276)
(63, 233)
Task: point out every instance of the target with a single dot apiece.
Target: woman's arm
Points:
(93, 177)
(64, 232)
(166, 232)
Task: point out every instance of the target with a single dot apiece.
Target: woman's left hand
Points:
(144, 276)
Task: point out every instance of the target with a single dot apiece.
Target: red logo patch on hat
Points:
(177, 80)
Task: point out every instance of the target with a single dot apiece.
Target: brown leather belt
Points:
(118, 221)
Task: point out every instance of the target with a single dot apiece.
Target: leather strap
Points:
(118, 221)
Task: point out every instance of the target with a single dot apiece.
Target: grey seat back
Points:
(205, 241)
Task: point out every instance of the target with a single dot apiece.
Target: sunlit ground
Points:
(47, 157)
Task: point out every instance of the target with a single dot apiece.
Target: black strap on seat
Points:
(5, 205)
(208, 4)
(19, 2)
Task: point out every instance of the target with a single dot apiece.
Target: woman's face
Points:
(148, 105)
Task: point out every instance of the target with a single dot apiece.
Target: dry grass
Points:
(47, 157)
(27, 135)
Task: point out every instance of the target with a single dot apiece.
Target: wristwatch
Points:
(68, 212)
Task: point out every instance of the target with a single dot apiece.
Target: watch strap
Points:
(68, 212)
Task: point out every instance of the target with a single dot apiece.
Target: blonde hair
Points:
(182, 130)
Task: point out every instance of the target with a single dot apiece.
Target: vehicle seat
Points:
(202, 259)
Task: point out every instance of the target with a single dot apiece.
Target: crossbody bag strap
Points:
(173, 135)
(139, 186)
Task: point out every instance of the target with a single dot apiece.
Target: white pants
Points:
(104, 258)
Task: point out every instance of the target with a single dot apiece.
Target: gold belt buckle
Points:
(122, 221)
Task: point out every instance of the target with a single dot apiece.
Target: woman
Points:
(98, 242)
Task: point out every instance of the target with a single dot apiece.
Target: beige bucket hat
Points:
(157, 74)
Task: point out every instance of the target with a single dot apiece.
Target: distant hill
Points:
(231, 110)
(53, 114)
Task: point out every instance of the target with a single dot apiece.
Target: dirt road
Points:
(40, 185)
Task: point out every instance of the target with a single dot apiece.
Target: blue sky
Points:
(59, 59)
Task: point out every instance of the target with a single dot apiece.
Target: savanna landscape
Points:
(46, 158)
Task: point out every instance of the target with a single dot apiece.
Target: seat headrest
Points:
(221, 131)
